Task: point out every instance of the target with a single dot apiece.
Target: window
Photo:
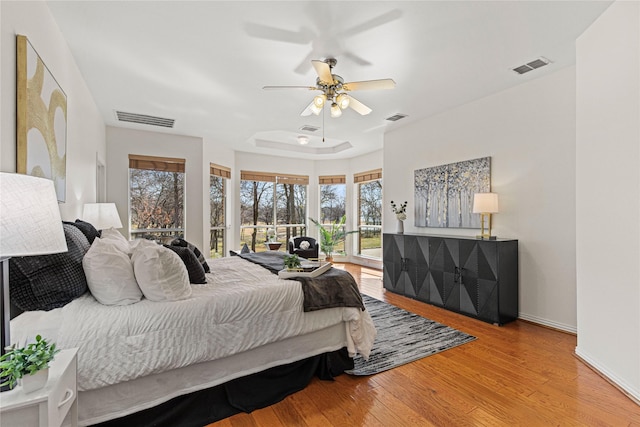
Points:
(333, 191)
(218, 176)
(369, 213)
(272, 208)
(156, 197)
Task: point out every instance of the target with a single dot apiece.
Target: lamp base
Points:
(485, 237)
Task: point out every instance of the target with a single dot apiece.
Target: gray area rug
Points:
(403, 337)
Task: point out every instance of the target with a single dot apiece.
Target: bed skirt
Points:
(243, 394)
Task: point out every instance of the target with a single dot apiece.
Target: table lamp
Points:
(30, 225)
(485, 204)
(101, 215)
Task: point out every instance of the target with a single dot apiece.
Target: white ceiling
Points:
(204, 63)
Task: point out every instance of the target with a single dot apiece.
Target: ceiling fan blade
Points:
(358, 106)
(392, 15)
(323, 70)
(302, 36)
(307, 111)
(370, 85)
(305, 65)
(289, 87)
(357, 59)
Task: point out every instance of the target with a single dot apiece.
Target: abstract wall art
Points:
(41, 119)
(444, 194)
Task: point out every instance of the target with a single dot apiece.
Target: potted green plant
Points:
(292, 261)
(332, 235)
(29, 364)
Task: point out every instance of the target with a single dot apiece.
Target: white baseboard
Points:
(604, 372)
(549, 323)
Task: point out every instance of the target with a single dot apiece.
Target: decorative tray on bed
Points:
(306, 269)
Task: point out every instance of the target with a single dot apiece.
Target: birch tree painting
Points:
(444, 194)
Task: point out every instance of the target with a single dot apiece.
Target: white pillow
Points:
(114, 236)
(110, 274)
(161, 274)
(304, 245)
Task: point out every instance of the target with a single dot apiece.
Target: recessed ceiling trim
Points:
(144, 119)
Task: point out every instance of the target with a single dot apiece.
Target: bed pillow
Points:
(194, 268)
(110, 274)
(185, 244)
(160, 273)
(45, 282)
(87, 229)
(114, 236)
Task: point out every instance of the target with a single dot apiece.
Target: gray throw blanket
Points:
(334, 288)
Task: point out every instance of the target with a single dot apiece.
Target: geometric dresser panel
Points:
(478, 278)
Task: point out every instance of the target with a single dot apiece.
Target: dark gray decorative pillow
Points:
(87, 229)
(45, 282)
(183, 243)
(245, 249)
(194, 268)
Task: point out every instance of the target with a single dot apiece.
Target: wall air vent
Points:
(530, 66)
(396, 117)
(143, 119)
(309, 128)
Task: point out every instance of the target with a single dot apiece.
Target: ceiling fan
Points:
(334, 90)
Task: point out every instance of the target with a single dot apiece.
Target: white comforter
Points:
(243, 306)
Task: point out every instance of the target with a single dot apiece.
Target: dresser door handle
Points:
(68, 395)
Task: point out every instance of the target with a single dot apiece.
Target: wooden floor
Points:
(515, 375)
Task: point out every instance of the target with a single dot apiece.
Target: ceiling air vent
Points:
(309, 128)
(396, 117)
(143, 119)
(530, 66)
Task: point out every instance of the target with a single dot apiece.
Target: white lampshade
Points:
(485, 203)
(30, 221)
(101, 215)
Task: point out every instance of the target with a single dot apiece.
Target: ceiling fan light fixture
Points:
(319, 100)
(315, 109)
(343, 100)
(335, 110)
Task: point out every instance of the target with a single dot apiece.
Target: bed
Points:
(244, 322)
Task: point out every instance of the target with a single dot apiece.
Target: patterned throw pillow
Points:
(45, 282)
(196, 251)
(194, 268)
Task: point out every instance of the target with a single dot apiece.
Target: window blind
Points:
(165, 164)
(218, 170)
(332, 179)
(367, 176)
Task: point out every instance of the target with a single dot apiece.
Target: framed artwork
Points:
(41, 119)
(444, 194)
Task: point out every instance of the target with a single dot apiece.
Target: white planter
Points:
(36, 381)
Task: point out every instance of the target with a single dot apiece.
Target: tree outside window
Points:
(271, 204)
(156, 194)
(217, 201)
(333, 206)
(370, 218)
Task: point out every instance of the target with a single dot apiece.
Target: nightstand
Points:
(50, 405)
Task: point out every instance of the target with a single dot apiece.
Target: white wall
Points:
(85, 127)
(529, 132)
(121, 142)
(608, 195)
